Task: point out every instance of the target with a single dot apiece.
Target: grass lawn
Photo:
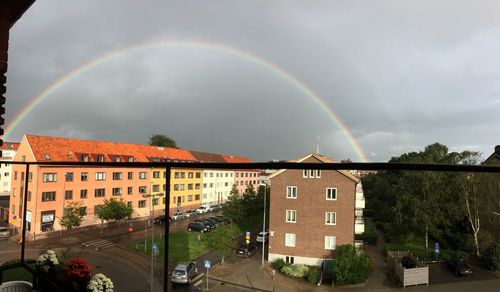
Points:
(416, 246)
(185, 245)
(17, 274)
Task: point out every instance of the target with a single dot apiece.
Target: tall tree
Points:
(113, 209)
(162, 141)
(222, 241)
(234, 208)
(72, 216)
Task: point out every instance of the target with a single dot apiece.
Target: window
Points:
(156, 188)
(330, 218)
(48, 196)
(117, 159)
(99, 192)
(100, 158)
(14, 209)
(69, 176)
(30, 176)
(182, 175)
(164, 174)
(211, 185)
(68, 195)
(291, 216)
(318, 173)
(49, 177)
(311, 173)
(156, 174)
(156, 201)
(117, 176)
(197, 186)
(204, 185)
(164, 200)
(176, 175)
(190, 186)
(291, 192)
(176, 187)
(84, 176)
(330, 242)
(130, 190)
(85, 158)
(83, 194)
(226, 184)
(142, 189)
(142, 204)
(181, 187)
(14, 192)
(15, 175)
(211, 174)
(29, 196)
(129, 204)
(197, 197)
(190, 175)
(331, 194)
(117, 191)
(100, 176)
(130, 175)
(198, 175)
(143, 175)
(190, 198)
(82, 211)
(290, 260)
(130, 159)
(290, 239)
(46, 156)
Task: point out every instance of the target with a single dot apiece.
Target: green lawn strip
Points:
(17, 274)
(185, 245)
(416, 246)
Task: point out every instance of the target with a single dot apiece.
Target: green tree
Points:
(162, 141)
(350, 266)
(113, 209)
(72, 216)
(234, 209)
(222, 241)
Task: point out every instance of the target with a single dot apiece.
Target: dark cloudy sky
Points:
(399, 74)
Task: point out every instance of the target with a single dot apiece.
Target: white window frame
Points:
(289, 215)
(327, 215)
(100, 176)
(288, 239)
(289, 190)
(311, 173)
(326, 194)
(318, 173)
(328, 242)
(49, 177)
(305, 173)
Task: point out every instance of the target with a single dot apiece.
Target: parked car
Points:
(219, 220)
(212, 221)
(408, 262)
(215, 207)
(246, 250)
(262, 236)
(459, 268)
(198, 226)
(183, 273)
(210, 224)
(226, 220)
(161, 219)
(4, 233)
(202, 209)
(191, 213)
(178, 216)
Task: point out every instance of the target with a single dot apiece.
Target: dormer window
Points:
(85, 158)
(131, 159)
(100, 158)
(46, 156)
(117, 159)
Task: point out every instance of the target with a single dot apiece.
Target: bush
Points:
(297, 271)
(313, 275)
(491, 258)
(278, 264)
(350, 266)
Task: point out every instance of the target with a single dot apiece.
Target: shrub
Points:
(313, 275)
(78, 269)
(297, 271)
(350, 266)
(491, 258)
(278, 264)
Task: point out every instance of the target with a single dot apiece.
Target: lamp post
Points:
(264, 223)
(151, 211)
(63, 199)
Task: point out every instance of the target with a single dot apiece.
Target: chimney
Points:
(497, 149)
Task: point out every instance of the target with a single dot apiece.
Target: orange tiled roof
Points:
(67, 149)
(235, 159)
(9, 146)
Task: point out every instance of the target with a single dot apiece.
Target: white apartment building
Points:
(9, 150)
(216, 186)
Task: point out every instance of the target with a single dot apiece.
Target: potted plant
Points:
(100, 283)
(77, 273)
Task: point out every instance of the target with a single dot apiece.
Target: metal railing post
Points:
(25, 208)
(167, 227)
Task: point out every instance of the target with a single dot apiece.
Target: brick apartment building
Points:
(491, 222)
(311, 212)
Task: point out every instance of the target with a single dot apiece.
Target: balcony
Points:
(359, 225)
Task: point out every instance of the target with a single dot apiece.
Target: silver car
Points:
(4, 233)
(183, 273)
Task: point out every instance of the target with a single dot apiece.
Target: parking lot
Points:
(439, 274)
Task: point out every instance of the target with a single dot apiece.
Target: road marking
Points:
(98, 243)
(198, 280)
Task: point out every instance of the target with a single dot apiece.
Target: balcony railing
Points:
(160, 267)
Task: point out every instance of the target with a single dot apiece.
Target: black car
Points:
(459, 268)
(210, 224)
(212, 221)
(408, 262)
(246, 250)
(198, 226)
(226, 220)
(191, 213)
(218, 220)
(161, 219)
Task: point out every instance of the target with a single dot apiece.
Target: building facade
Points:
(492, 221)
(8, 151)
(311, 212)
(217, 185)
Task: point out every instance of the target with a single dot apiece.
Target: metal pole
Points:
(264, 225)
(25, 208)
(167, 228)
(63, 198)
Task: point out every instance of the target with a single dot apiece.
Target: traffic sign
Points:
(436, 247)
(247, 233)
(208, 264)
(156, 250)
(248, 241)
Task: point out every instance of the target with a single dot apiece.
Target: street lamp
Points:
(264, 223)
(151, 211)
(63, 199)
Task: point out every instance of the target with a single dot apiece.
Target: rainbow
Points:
(191, 44)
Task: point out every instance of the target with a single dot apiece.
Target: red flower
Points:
(78, 268)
